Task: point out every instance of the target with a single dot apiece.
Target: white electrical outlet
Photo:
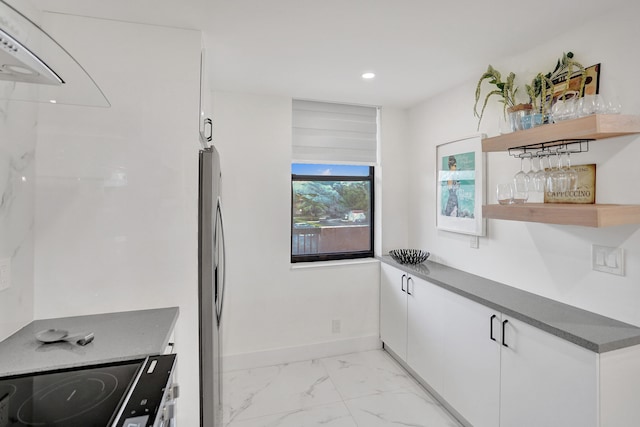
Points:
(5, 273)
(607, 259)
(335, 326)
(475, 242)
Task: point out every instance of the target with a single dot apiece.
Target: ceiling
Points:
(319, 49)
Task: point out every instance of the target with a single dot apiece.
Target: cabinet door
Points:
(546, 381)
(425, 312)
(471, 358)
(393, 309)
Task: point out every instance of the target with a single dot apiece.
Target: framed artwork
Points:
(572, 84)
(460, 186)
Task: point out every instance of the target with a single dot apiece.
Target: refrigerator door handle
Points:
(220, 263)
(208, 122)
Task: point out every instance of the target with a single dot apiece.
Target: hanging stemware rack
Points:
(550, 148)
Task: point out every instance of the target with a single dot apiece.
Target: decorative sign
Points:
(571, 85)
(584, 193)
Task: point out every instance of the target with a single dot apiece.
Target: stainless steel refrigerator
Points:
(211, 281)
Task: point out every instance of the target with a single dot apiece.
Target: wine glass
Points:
(613, 105)
(592, 104)
(521, 183)
(567, 108)
(559, 176)
(559, 111)
(587, 105)
(550, 181)
(539, 177)
(521, 180)
(531, 171)
(572, 175)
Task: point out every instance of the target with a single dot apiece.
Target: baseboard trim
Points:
(279, 356)
(428, 388)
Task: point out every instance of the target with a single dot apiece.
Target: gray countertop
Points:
(119, 336)
(586, 329)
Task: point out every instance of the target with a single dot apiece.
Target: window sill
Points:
(325, 264)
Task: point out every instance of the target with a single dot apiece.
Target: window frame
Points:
(336, 256)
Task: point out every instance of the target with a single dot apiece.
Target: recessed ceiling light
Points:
(368, 76)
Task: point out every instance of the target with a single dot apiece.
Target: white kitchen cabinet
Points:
(472, 360)
(425, 330)
(411, 321)
(443, 338)
(545, 380)
(497, 371)
(393, 309)
(619, 387)
(526, 377)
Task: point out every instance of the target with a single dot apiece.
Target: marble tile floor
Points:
(367, 389)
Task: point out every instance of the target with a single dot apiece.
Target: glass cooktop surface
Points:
(85, 397)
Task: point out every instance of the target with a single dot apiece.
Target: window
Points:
(332, 212)
(332, 202)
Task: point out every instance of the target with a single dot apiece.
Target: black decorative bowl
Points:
(409, 256)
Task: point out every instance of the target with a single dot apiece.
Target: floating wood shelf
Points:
(599, 126)
(587, 128)
(593, 215)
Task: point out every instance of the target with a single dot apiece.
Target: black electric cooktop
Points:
(86, 397)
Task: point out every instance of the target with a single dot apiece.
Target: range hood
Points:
(19, 64)
(35, 68)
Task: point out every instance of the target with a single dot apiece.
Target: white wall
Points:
(549, 260)
(116, 214)
(274, 312)
(17, 194)
(393, 188)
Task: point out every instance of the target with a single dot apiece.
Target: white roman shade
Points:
(334, 133)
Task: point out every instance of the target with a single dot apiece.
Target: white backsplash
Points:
(17, 194)
(116, 193)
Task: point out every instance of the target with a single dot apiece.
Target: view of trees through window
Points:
(331, 212)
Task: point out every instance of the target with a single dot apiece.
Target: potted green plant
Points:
(505, 90)
(540, 92)
(542, 89)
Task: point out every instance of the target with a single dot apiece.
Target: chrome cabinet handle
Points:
(402, 282)
(408, 288)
